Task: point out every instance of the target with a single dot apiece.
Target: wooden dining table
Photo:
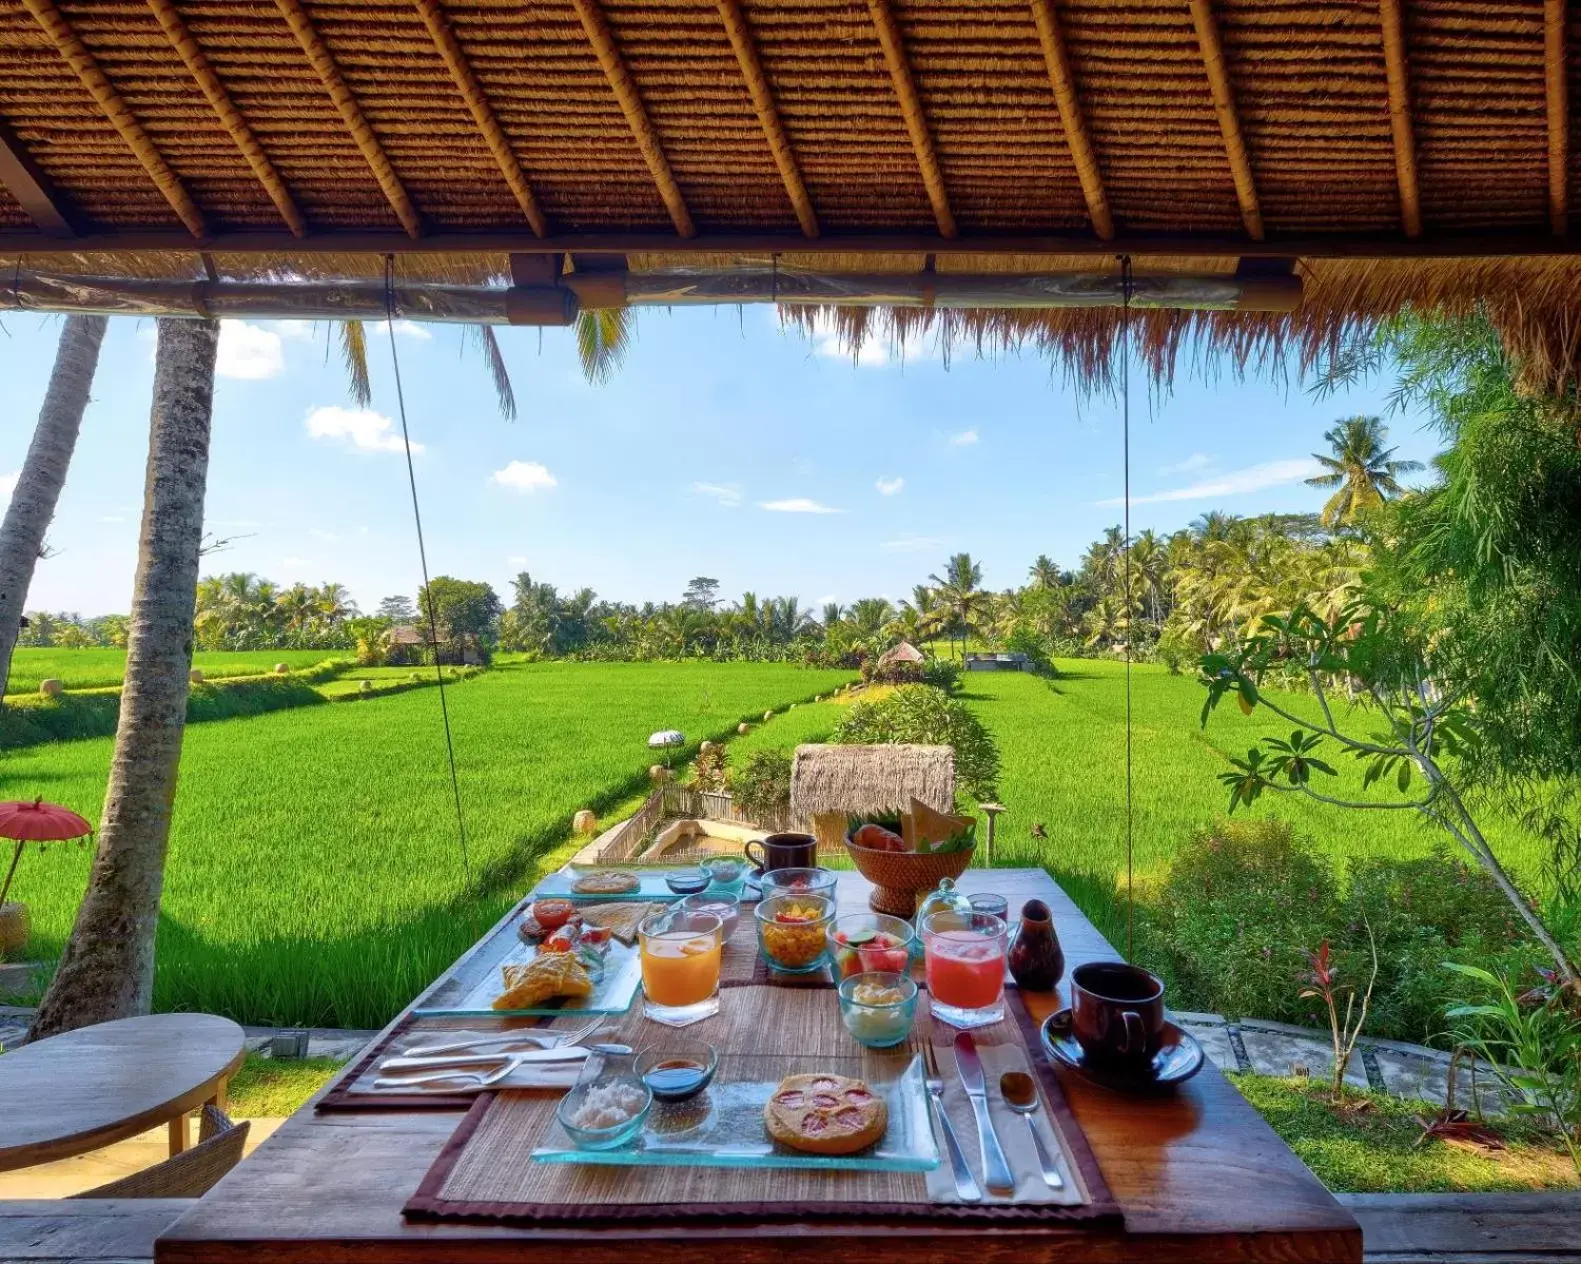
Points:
(1198, 1174)
(97, 1085)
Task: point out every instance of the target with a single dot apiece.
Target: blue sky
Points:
(726, 446)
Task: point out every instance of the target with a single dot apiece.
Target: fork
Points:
(966, 1188)
(544, 1040)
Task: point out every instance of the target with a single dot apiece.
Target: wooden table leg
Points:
(178, 1135)
(221, 1094)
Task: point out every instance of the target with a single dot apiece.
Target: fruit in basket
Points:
(877, 838)
(825, 1114)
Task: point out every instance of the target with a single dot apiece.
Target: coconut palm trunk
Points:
(107, 970)
(43, 474)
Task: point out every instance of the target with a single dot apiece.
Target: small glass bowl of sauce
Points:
(677, 1072)
(687, 881)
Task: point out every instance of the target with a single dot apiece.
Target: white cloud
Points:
(827, 598)
(318, 533)
(248, 352)
(727, 494)
(797, 504)
(965, 438)
(889, 486)
(295, 563)
(1254, 478)
(525, 476)
(366, 430)
(1196, 461)
(8, 484)
(404, 328)
(913, 544)
(295, 330)
(516, 559)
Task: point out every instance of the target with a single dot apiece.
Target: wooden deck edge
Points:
(1468, 1228)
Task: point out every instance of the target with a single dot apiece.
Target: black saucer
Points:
(1177, 1060)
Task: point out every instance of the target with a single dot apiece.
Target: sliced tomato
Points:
(563, 940)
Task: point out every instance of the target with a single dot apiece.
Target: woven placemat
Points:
(486, 1172)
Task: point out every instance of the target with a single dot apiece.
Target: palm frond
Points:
(488, 344)
(603, 336)
(354, 351)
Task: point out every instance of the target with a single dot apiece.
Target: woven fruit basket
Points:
(898, 877)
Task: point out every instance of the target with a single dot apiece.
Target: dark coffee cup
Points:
(1117, 1012)
(783, 851)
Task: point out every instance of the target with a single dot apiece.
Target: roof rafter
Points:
(900, 74)
(323, 63)
(230, 117)
(596, 25)
(1556, 73)
(1229, 120)
(746, 49)
(471, 90)
(27, 184)
(77, 56)
(1062, 78)
(1395, 64)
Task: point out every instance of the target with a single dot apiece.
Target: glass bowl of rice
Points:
(606, 1113)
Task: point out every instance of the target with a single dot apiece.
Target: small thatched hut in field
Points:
(830, 784)
(905, 652)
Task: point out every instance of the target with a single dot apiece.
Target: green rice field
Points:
(97, 668)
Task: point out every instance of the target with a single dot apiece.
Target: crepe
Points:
(606, 882)
(931, 830)
(546, 976)
(620, 919)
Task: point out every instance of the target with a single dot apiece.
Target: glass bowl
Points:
(678, 1070)
(726, 871)
(725, 908)
(798, 882)
(861, 943)
(687, 882)
(880, 1024)
(800, 945)
(614, 1136)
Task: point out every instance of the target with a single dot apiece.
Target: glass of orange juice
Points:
(680, 950)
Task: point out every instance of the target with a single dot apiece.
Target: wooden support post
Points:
(1556, 74)
(20, 176)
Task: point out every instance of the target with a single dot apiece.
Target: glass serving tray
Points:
(474, 997)
(651, 884)
(723, 1126)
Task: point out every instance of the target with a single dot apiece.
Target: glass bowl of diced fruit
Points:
(793, 932)
(864, 942)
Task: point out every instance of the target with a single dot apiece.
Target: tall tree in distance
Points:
(960, 593)
(701, 594)
(1045, 572)
(107, 970)
(1361, 468)
(43, 473)
(397, 609)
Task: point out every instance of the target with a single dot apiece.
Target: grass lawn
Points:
(268, 1089)
(315, 876)
(96, 668)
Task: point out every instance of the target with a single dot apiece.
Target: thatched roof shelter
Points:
(850, 779)
(905, 652)
(1278, 176)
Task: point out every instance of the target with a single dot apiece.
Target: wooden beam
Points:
(471, 90)
(1229, 120)
(1556, 72)
(323, 63)
(109, 100)
(596, 25)
(1056, 57)
(894, 46)
(1502, 244)
(20, 177)
(751, 64)
(230, 117)
(1395, 65)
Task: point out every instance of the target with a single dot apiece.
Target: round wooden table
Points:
(97, 1085)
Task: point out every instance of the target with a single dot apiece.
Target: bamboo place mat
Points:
(486, 1172)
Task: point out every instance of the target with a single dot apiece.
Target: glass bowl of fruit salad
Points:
(793, 931)
(864, 942)
(878, 1007)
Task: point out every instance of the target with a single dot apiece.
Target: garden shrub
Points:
(761, 785)
(708, 769)
(941, 673)
(1024, 641)
(892, 673)
(927, 716)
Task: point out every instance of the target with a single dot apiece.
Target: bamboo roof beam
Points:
(1229, 120)
(1395, 65)
(323, 63)
(746, 50)
(77, 56)
(1056, 57)
(471, 90)
(230, 117)
(596, 26)
(20, 176)
(900, 74)
(1556, 73)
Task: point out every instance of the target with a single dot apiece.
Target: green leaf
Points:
(1474, 972)
(1473, 1011)
(1402, 779)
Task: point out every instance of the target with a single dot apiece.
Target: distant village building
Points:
(997, 662)
(905, 652)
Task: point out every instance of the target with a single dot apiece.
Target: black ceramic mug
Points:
(783, 851)
(1117, 1012)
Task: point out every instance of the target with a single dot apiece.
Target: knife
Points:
(568, 1054)
(996, 1170)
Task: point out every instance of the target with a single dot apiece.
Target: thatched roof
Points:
(905, 652)
(850, 779)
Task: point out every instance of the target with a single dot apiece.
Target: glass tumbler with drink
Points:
(680, 953)
(964, 959)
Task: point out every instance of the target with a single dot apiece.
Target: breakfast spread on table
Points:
(825, 1114)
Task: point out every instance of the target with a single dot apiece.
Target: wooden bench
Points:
(80, 1230)
(1468, 1228)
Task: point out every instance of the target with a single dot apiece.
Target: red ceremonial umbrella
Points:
(36, 822)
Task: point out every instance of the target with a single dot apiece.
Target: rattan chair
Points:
(192, 1172)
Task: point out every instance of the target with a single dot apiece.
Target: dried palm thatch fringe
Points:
(870, 778)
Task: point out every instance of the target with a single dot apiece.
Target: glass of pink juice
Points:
(964, 959)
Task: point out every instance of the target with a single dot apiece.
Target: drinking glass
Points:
(964, 960)
(985, 902)
(680, 953)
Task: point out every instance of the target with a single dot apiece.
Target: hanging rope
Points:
(1126, 286)
(422, 557)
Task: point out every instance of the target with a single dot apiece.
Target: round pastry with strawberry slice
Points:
(825, 1114)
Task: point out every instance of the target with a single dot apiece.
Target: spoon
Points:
(1021, 1095)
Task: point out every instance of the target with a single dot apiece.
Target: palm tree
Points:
(43, 474)
(603, 336)
(107, 969)
(960, 595)
(1361, 468)
(1045, 572)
